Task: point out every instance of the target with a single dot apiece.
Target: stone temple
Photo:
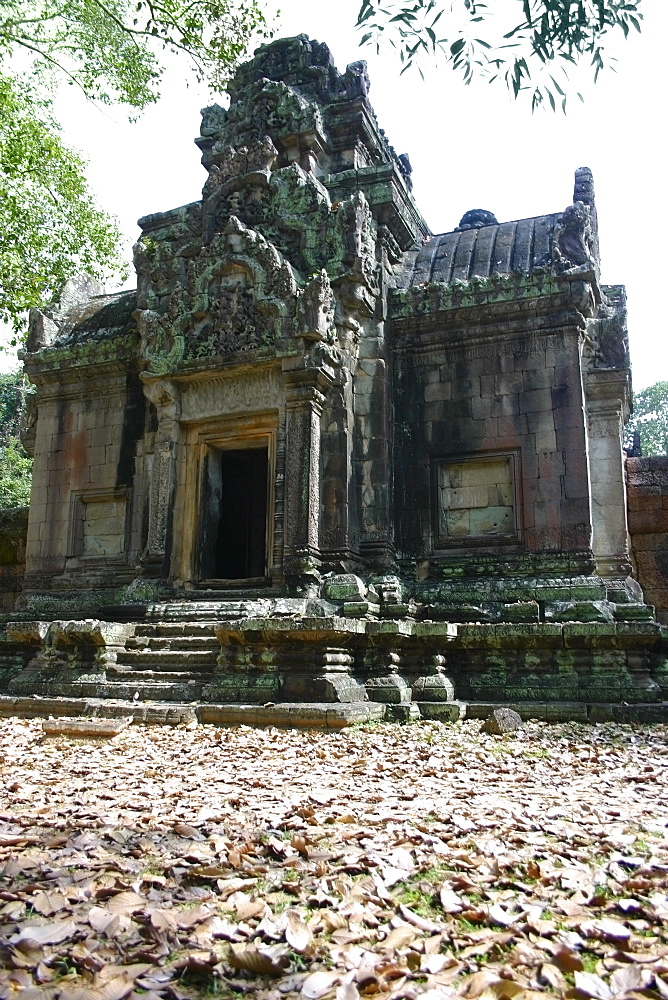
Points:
(323, 465)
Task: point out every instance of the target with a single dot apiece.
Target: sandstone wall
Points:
(648, 525)
(83, 474)
(496, 432)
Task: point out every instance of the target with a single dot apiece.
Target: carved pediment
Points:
(237, 294)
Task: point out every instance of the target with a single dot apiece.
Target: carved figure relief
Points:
(316, 309)
(573, 237)
(237, 294)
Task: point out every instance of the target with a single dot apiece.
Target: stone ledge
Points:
(321, 715)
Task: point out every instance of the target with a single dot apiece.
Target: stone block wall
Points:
(647, 484)
(498, 428)
(13, 531)
(82, 478)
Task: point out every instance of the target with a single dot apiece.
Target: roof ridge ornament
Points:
(476, 218)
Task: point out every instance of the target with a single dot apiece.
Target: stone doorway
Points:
(234, 515)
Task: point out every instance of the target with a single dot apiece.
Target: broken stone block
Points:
(345, 587)
(502, 720)
(99, 728)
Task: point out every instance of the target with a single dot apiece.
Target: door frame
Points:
(245, 431)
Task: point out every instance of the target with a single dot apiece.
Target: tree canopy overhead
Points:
(50, 226)
(512, 41)
(112, 50)
(108, 47)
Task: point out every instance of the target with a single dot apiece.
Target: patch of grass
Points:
(419, 891)
(421, 902)
(433, 875)
(280, 900)
(590, 962)
(467, 925)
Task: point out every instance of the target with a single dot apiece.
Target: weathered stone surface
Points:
(648, 503)
(96, 728)
(501, 721)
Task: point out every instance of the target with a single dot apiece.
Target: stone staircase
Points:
(292, 661)
(165, 661)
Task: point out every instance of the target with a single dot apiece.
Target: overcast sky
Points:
(470, 147)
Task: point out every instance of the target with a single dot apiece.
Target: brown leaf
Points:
(450, 901)
(567, 960)
(430, 926)
(486, 984)
(592, 985)
(318, 984)
(347, 991)
(399, 937)
(163, 920)
(553, 976)
(188, 832)
(270, 960)
(629, 977)
(41, 934)
(126, 903)
(297, 933)
(48, 903)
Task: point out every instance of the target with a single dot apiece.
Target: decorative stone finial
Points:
(584, 186)
(476, 219)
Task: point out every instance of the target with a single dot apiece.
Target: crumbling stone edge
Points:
(319, 715)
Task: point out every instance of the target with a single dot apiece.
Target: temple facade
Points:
(322, 456)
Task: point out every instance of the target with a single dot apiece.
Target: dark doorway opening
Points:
(234, 539)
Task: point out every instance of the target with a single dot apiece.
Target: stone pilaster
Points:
(607, 397)
(305, 390)
(165, 396)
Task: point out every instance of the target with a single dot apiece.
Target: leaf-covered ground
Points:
(410, 861)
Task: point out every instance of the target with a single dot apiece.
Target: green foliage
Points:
(50, 227)
(522, 37)
(15, 476)
(13, 388)
(110, 49)
(650, 418)
(15, 465)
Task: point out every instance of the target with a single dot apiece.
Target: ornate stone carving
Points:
(573, 237)
(165, 396)
(316, 309)
(235, 295)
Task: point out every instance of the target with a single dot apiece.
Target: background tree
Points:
(520, 38)
(15, 464)
(50, 227)
(650, 418)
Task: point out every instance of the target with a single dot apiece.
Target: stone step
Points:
(150, 690)
(202, 630)
(173, 713)
(168, 659)
(186, 643)
(131, 675)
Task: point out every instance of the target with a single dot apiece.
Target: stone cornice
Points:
(93, 360)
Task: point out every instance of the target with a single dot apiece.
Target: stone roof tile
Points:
(478, 253)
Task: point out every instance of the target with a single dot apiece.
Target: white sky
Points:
(470, 147)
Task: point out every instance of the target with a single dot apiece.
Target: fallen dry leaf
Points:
(431, 862)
